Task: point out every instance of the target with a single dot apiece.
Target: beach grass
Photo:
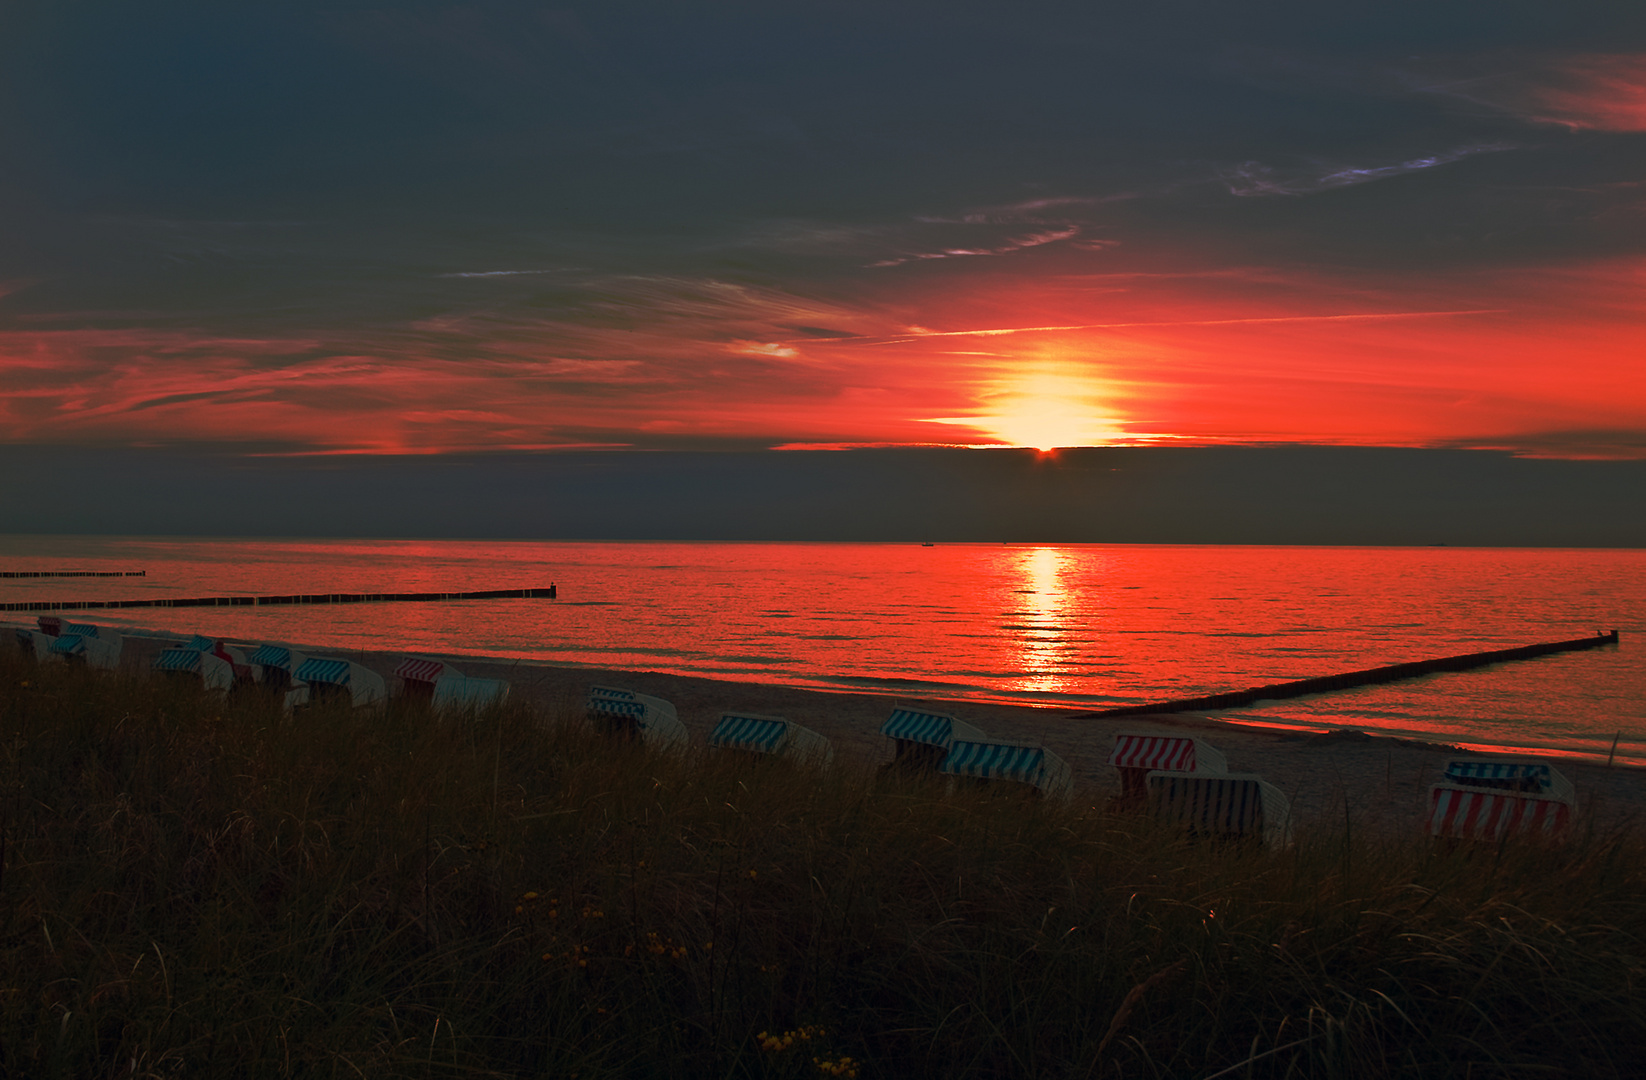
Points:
(199, 886)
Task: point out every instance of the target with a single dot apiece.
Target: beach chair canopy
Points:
(931, 728)
(1025, 763)
(654, 717)
(1174, 753)
(1221, 804)
(423, 670)
(365, 686)
(179, 658)
(771, 735)
(50, 625)
(461, 692)
(86, 630)
(1507, 775)
(274, 656)
(1473, 813)
(201, 642)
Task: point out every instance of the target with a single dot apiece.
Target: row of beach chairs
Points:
(1178, 779)
(301, 679)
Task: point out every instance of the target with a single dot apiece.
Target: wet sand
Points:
(1382, 781)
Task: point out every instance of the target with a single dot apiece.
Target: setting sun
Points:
(1045, 411)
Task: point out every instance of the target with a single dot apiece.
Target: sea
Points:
(1070, 626)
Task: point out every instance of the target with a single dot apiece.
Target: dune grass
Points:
(194, 886)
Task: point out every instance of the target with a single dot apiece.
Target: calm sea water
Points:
(1077, 626)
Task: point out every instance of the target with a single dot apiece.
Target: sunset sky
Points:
(428, 227)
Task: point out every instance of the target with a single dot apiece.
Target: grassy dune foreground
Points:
(199, 887)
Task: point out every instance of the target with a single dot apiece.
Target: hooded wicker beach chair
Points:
(921, 738)
(93, 646)
(1137, 753)
(771, 736)
(195, 665)
(1472, 812)
(632, 715)
(1220, 805)
(1021, 763)
(418, 675)
(330, 678)
(33, 643)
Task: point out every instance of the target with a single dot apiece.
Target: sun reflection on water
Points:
(1042, 625)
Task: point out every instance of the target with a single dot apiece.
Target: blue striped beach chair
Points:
(631, 715)
(770, 736)
(89, 645)
(331, 678)
(1220, 805)
(921, 738)
(196, 665)
(1021, 763)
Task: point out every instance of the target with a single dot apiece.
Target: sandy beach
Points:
(1383, 781)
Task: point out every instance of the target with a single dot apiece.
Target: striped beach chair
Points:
(1022, 763)
(1220, 805)
(273, 665)
(771, 736)
(921, 738)
(632, 715)
(1467, 812)
(33, 643)
(330, 678)
(197, 666)
(418, 675)
(1507, 774)
(89, 645)
(1137, 753)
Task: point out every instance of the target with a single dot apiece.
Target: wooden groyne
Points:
(260, 601)
(72, 573)
(1350, 679)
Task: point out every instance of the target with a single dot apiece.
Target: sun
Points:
(1045, 410)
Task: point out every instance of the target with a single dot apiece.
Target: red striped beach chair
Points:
(1137, 753)
(1465, 812)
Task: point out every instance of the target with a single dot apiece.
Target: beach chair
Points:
(1225, 806)
(331, 679)
(33, 643)
(78, 643)
(771, 736)
(50, 625)
(1509, 774)
(921, 738)
(196, 666)
(462, 692)
(1020, 763)
(418, 675)
(273, 665)
(1471, 812)
(630, 715)
(1137, 753)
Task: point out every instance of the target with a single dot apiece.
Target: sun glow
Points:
(1045, 410)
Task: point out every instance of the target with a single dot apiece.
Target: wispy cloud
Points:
(1254, 178)
(1588, 91)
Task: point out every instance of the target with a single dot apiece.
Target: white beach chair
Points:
(1138, 753)
(633, 715)
(1022, 763)
(770, 736)
(1220, 805)
(1470, 812)
(328, 677)
(921, 738)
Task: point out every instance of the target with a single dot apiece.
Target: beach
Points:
(1382, 781)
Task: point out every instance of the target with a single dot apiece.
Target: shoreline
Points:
(1380, 781)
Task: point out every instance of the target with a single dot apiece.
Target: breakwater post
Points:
(1350, 679)
(260, 601)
